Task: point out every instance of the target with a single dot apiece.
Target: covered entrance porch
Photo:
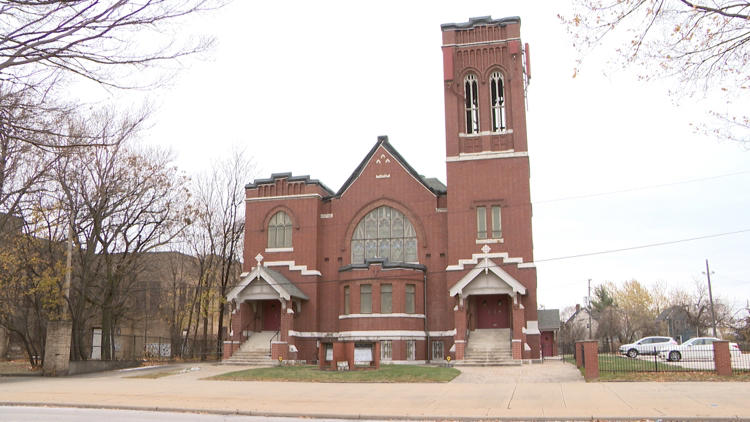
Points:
(263, 307)
(488, 315)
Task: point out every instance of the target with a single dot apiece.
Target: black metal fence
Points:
(669, 360)
(134, 347)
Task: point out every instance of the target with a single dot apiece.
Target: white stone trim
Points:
(516, 340)
(527, 265)
(232, 342)
(487, 265)
(474, 260)
(324, 216)
(279, 342)
(382, 176)
(271, 250)
(532, 327)
(403, 362)
(485, 133)
(460, 341)
(488, 241)
(441, 209)
(448, 333)
(372, 335)
(392, 315)
(487, 155)
(292, 267)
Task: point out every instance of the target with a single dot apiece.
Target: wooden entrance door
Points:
(493, 311)
(271, 315)
(547, 339)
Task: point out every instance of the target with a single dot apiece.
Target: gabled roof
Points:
(282, 285)
(549, 319)
(432, 184)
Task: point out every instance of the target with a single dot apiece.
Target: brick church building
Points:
(394, 264)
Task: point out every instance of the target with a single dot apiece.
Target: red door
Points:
(492, 311)
(271, 315)
(547, 340)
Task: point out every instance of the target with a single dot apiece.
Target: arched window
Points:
(280, 231)
(384, 233)
(497, 96)
(471, 94)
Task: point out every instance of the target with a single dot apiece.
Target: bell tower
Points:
(486, 75)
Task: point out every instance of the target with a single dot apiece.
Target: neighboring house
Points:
(395, 261)
(576, 327)
(676, 321)
(549, 326)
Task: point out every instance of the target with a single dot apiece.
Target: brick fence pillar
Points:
(722, 358)
(459, 319)
(578, 352)
(590, 359)
(516, 348)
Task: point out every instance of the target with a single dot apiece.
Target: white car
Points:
(647, 346)
(697, 348)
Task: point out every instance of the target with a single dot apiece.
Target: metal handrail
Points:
(270, 342)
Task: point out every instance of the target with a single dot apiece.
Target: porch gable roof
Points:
(487, 266)
(285, 288)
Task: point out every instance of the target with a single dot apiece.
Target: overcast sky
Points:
(308, 86)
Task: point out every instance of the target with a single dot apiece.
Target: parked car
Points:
(697, 348)
(647, 346)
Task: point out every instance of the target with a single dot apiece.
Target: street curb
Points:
(369, 417)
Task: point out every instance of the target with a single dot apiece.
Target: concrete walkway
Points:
(549, 390)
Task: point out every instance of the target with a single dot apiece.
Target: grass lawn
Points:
(386, 373)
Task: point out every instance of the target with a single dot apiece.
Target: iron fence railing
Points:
(673, 359)
(135, 347)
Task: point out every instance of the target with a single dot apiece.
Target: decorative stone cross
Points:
(258, 258)
(486, 249)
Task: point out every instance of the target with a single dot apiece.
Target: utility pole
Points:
(588, 302)
(711, 299)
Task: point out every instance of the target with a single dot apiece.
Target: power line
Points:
(649, 245)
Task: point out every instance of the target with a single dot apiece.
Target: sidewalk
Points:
(549, 390)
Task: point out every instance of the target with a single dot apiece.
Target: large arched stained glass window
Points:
(384, 233)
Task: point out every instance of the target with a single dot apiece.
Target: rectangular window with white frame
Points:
(481, 222)
(386, 298)
(365, 298)
(497, 232)
(410, 302)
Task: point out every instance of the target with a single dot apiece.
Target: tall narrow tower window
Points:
(471, 93)
(497, 96)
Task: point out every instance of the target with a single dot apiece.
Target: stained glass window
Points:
(280, 231)
(384, 233)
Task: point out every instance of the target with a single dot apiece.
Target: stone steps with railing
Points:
(489, 347)
(254, 351)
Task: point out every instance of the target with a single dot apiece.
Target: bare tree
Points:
(124, 201)
(705, 45)
(217, 232)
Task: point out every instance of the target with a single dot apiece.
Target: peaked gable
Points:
(431, 184)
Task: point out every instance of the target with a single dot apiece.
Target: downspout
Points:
(426, 328)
